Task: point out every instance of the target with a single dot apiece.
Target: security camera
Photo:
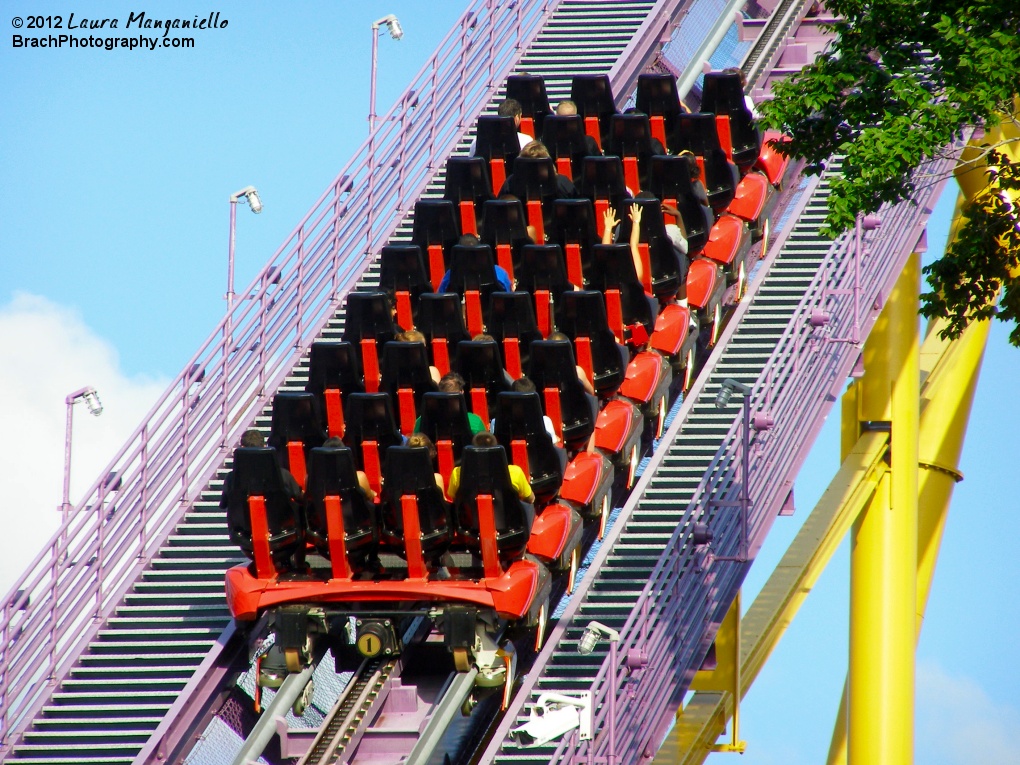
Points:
(553, 715)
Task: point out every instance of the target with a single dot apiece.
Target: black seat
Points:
(668, 267)
(333, 366)
(594, 98)
(473, 270)
(612, 269)
(496, 139)
(405, 367)
(408, 471)
(331, 473)
(472, 267)
(369, 417)
(573, 223)
(512, 318)
(631, 136)
(581, 316)
(543, 268)
(533, 179)
(481, 365)
(565, 138)
(444, 417)
(435, 222)
(402, 270)
(298, 425)
(529, 91)
(671, 179)
(505, 224)
(658, 98)
(721, 179)
(256, 473)
(723, 94)
(296, 417)
(484, 472)
(602, 179)
(436, 226)
(553, 366)
(468, 180)
(697, 134)
(441, 320)
(368, 317)
(519, 418)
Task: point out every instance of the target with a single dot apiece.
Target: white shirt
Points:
(550, 429)
(523, 138)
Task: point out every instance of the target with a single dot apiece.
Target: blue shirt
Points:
(501, 276)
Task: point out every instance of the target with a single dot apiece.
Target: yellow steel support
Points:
(950, 373)
(949, 376)
(725, 676)
(704, 718)
(883, 550)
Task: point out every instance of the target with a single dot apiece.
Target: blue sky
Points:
(116, 170)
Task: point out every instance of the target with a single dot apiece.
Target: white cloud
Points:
(958, 723)
(47, 352)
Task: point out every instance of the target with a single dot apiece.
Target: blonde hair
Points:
(411, 336)
(421, 440)
(535, 149)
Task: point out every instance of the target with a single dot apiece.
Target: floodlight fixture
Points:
(392, 24)
(727, 389)
(253, 201)
(593, 633)
(92, 402)
(251, 196)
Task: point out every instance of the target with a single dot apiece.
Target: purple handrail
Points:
(78, 579)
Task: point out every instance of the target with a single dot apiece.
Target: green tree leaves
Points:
(901, 82)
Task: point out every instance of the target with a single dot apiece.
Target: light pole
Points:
(396, 32)
(91, 399)
(592, 634)
(761, 422)
(250, 194)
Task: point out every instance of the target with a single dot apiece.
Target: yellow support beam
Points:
(950, 372)
(949, 376)
(725, 676)
(704, 719)
(883, 542)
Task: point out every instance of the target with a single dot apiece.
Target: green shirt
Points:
(474, 423)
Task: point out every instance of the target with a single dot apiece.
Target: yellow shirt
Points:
(517, 478)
